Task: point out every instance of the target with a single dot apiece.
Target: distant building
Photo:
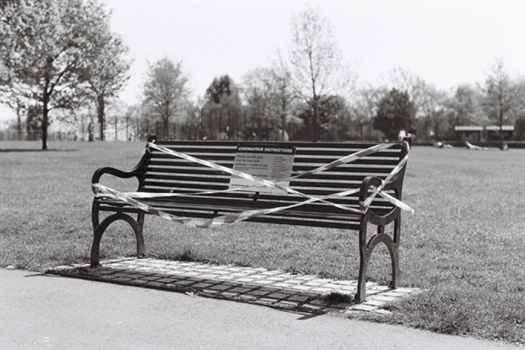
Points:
(480, 133)
(494, 130)
(469, 133)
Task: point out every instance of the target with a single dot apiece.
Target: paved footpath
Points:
(52, 312)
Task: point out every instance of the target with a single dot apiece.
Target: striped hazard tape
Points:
(131, 197)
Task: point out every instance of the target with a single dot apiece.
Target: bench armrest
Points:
(138, 171)
(373, 181)
(112, 171)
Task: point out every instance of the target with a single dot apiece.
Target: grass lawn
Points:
(465, 246)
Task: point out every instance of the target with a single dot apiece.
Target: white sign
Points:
(268, 163)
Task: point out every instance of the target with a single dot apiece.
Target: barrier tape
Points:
(268, 183)
(130, 197)
(379, 190)
(101, 190)
(218, 167)
(346, 159)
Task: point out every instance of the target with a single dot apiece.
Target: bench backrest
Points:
(166, 173)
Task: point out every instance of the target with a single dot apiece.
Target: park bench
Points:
(332, 185)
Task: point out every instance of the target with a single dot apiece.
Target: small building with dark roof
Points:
(483, 133)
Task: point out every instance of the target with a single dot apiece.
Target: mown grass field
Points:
(465, 246)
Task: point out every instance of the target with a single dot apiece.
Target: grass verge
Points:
(463, 247)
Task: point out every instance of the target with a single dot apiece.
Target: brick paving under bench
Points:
(305, 293)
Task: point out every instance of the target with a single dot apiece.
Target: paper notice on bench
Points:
(268, 163)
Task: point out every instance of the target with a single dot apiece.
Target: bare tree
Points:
(465, 106)
(318, 68)
(404, 80)
(283, 92)
(258, 92)
(364, 109)
(501, 95)
(433, 107)
(165, 90)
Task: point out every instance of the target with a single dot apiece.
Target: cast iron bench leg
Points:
(98, 231)
(365, 251)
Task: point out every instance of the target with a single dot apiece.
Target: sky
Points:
(444, 42)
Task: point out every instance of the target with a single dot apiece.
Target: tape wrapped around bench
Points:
(164, 173)
(191, 190)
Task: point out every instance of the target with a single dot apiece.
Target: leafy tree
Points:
(269, 95)
(132, 118)
(519, 132)
(283, 92)
(333, 118)
(33, 122)
(258, 92)
(43, 44)
(223, 99)
(165, 91)
(116, 117)
(395, 112)
(432, 110)
(403, 79)
(502, 96)
(220, 89)
(190, 128)
(318, 69)
(105, 70)
(15, 99)
(363, 110)
(466, 106)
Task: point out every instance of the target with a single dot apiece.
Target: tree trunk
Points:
(501, 145)
(166, 127)
(201, 135)
(100, 115)
(220, 124)
(91, 129)
(45, 118)
(314, 122)
(501, 127)
(259, 126)
(283, 124)
(166, 119)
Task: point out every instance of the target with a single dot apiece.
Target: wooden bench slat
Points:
(189, 210)
(188, 175)
(214, 151)
(263, 196)
(308, 146)
(297, 170)
(191, 190)
(331, 182)
(298, 166)
(237, 204)
(322, 157)
(262, 219)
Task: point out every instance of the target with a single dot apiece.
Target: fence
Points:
(109, 134)
(13, 135)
